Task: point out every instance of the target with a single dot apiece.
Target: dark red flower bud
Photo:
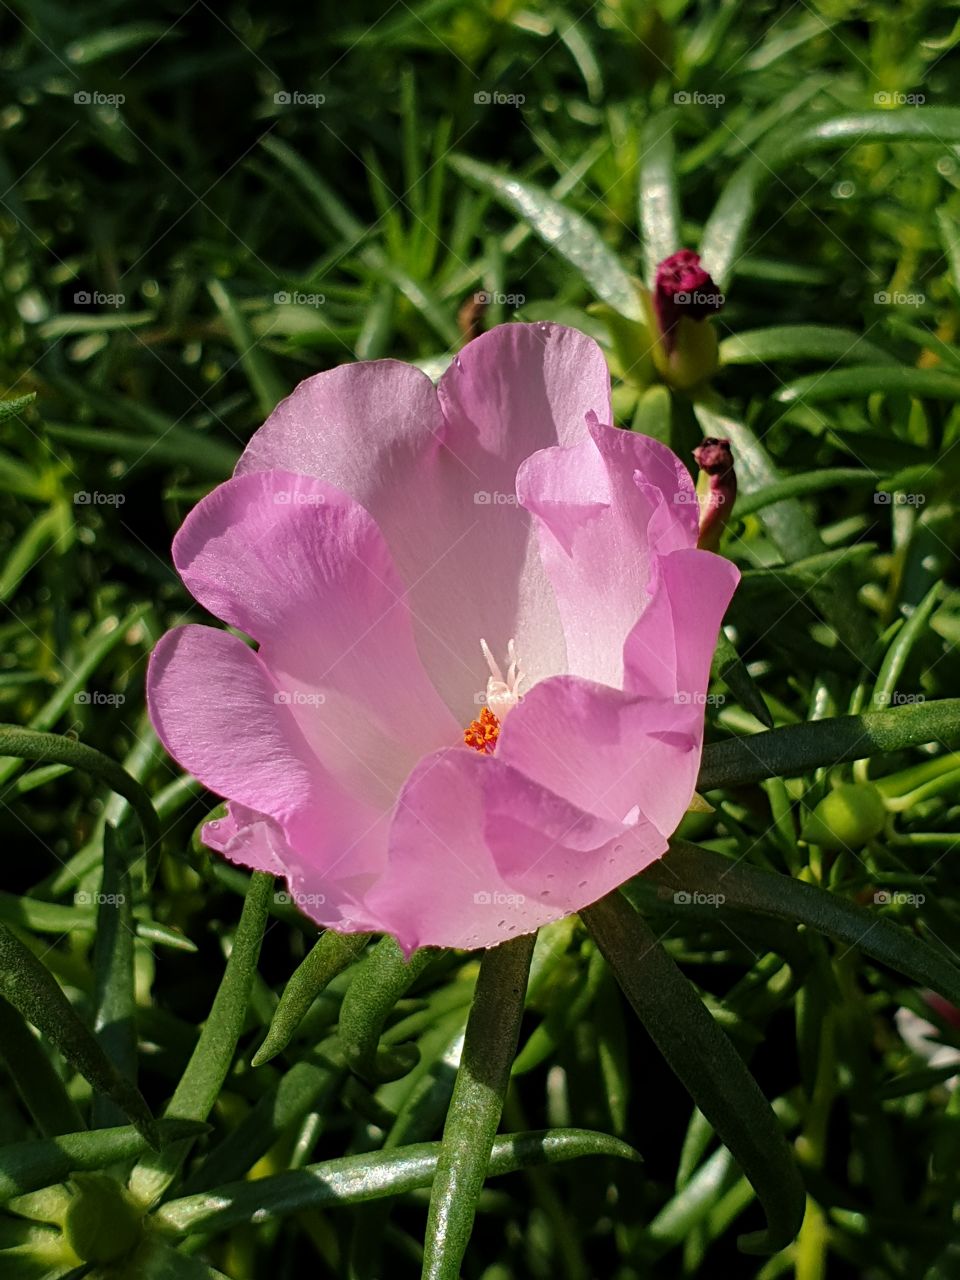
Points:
(683, 288)
(716, 489)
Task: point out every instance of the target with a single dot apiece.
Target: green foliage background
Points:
(199, 206)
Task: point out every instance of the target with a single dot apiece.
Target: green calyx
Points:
(102, 1224)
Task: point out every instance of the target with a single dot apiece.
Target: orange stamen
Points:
(483, 733)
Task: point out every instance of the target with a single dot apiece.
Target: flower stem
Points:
(475, 1108)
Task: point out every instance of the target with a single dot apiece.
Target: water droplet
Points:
(582, 884)
(618, 848)
(544, 893)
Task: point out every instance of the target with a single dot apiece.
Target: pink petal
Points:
(437, 470)
(303, 569)
(480, 854)
(610, 752)
(607, 507)
(256, 841)
(213, 704)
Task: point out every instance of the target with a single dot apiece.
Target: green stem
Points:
(488, 1051)
(799, 748)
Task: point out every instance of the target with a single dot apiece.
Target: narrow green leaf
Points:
(37, 1081)
(798, 748)
(801, 485)
(726, 228)
(354, 1179)
(688, 1037)
(10, 408)
(207, 1069)
(28, 744)
(114, 1021)
(573, 237)
(268, 386)
(31, 988)
(864, 380)
(333, 953)
(659, 212)
(28, 1166)
(477, 1103)
(895, 659)
(382, 978)
(801, 342)
(307, 1086)
(728, 667)
(689, 868)
(53, 528)
(788, 524)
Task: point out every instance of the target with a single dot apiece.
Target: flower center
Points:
(501, 695)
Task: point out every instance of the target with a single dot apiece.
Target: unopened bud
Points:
(684, 296)
(716, 490)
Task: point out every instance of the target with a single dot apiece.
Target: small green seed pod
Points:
(847, 818)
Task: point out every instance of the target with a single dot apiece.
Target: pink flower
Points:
(484, 635)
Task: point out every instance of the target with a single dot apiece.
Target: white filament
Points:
(502, 694)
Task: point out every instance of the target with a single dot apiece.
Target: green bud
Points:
(103, 1223)
(847, 818)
